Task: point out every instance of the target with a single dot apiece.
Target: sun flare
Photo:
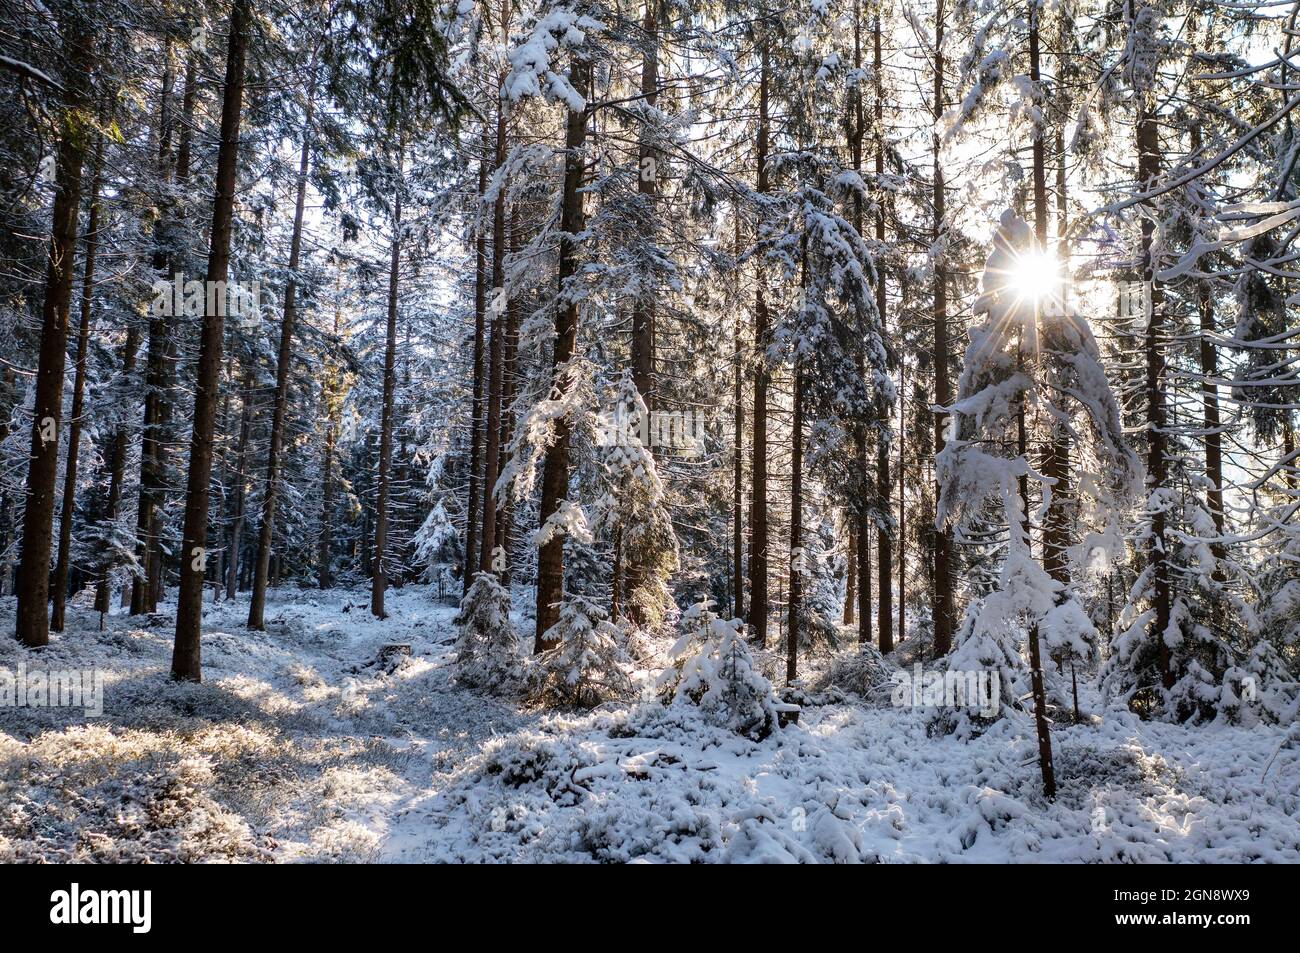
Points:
(1036, 276)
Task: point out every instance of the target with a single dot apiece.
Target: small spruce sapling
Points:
(489, 655)
(713, 669)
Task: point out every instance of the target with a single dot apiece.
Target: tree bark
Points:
(885, 547)
(257, 603)
(509, 378)
(378, 578)
(644, 306)
(116, 471)
(32, 621)
(78, 398)
(861, 509)
(496, 351)
(476, 428)
(186, 657)
(758, 541)
(796, 533)
(943, 594)
(555, 470)
(738, 453)
(333, 405)
(241, 464)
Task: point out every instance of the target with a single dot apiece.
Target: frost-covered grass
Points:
(305, 744)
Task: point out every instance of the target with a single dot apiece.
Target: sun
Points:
(1035, 276)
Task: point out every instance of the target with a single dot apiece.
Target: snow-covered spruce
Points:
(713, 669)
(1027, 352)
(489, 655)
(588, 665)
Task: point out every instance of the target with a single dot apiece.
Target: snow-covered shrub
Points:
(488, 654)
(587, 665)
(632, 509)
(819, 627)
(713, 669)
(861, 670)
(1259, 690)
(1201, 648)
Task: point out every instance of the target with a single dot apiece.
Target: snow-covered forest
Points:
(669, 430)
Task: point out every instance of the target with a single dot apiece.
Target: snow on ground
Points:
(302, 744)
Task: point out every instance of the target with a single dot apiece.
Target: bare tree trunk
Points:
(1035, 653)
(117, 471)
(257, 603)
(1148, 148)
(496, 351)
(379, 579)
(758, 541)
(555, 470)
(644, 312)
(333, 404)
(241, 465)
(902, 494)
(851, 576)
(861, 536)
(476, 425)
(186, 658)
(885, 547)
(78, 398)
(943, 594)
(796, 533)
(738, 453)
(1056, 454)
(155, 377)
(32, 622)
(509, 377)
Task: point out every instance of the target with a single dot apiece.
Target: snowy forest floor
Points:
(300, 745)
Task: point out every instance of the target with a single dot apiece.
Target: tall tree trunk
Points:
(851, 576)
(257, 604)
(555, 470)
(378, 578)
(902, 492)
(738, 451)
(1056, 453)
(644, 312)
(1148, 146)
(1052, 463)
(117, 472)
(496, 351)
(186, 658)
(241, 468)
(758, 541)
(796, 533)
(155, 378)
(943, 594)
(509, 386)
(32, 622)
(333, 405)
(862, 506)
(78, 397)
(476, 425)
(885, 549)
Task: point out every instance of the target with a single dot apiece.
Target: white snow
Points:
(305, 744)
